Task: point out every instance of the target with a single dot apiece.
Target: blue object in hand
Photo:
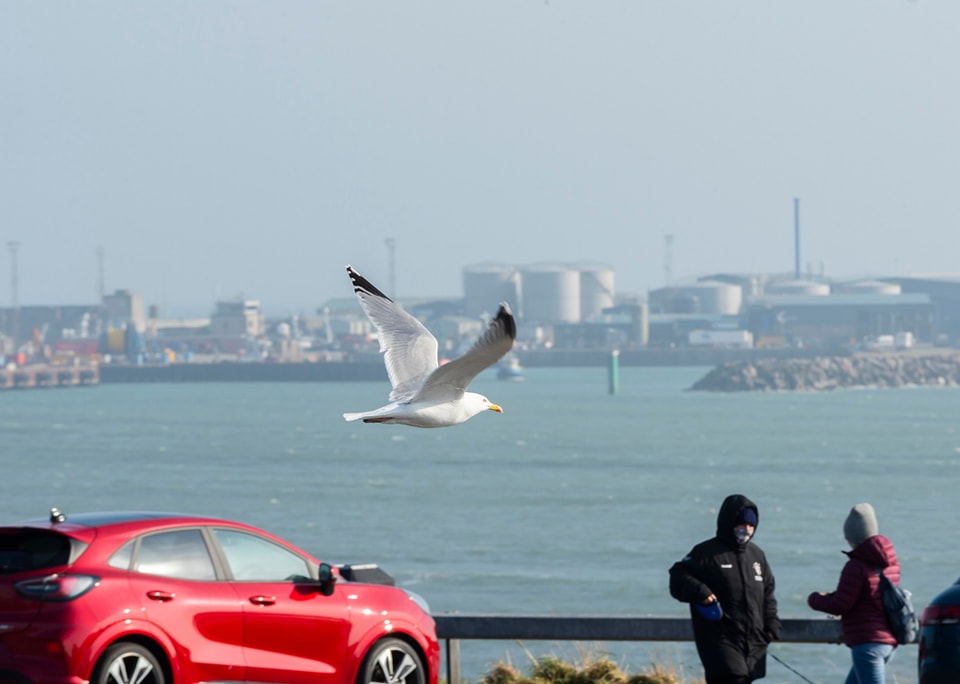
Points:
(712, 611)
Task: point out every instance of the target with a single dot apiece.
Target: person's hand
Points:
(710, 599)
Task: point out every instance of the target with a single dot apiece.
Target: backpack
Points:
(899, 609)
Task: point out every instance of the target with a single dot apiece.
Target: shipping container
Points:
(903, 340)
(116, 337)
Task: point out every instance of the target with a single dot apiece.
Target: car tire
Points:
(392, 661)
(127, 663)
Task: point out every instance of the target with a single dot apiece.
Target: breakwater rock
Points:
(828, 373)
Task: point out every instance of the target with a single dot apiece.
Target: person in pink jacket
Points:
(857, 597)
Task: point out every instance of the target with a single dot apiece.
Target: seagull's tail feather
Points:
(379, 414)
(368, 417)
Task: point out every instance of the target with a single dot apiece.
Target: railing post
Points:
(453, 661)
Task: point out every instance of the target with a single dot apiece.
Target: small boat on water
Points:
(510, 369)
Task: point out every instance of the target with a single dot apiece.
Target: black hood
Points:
(727, 517)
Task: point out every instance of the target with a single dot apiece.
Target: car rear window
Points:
(26, 549)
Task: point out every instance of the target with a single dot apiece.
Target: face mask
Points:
(743, 533)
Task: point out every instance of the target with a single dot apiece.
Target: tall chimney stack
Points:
(796, 237)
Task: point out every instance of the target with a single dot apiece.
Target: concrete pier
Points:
(44, 375)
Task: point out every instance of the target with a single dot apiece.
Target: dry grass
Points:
(592, 666)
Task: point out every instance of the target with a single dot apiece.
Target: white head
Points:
(477, 403)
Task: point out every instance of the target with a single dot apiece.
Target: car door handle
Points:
(263, 600)
(162, 596)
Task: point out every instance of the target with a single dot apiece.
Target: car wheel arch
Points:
(154, 647)
(132, 631)
(408, 639)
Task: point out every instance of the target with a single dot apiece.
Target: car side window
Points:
(180, 553)
(252, 558)
(121, 557)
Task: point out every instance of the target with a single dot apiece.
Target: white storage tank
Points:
(708, 297)
(874, 287)
(798, 287)
(596, 290)
(550, 294)
(486, 285)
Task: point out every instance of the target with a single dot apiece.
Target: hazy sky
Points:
(216, 149)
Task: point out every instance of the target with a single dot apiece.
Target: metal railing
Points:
(452, 629)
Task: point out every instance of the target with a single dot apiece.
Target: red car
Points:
(151, 598)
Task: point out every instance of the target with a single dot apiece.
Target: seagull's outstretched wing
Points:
(452, 379)
(409, 350)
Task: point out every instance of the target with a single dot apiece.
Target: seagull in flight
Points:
(426, 394)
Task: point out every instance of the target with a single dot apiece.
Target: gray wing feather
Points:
(409, 349)
(452, 379)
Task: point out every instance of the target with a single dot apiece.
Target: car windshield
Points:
(26, 549)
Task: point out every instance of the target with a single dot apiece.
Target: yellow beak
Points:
(494, 407)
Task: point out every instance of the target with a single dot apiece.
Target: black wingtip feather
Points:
(506, 319)
(361, 284)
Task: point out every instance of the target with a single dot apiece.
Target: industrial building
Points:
(558, 305)
(837, 319)
(944, 294)
(577, 307)
(786, 311)
(29, 328)
(123, 309)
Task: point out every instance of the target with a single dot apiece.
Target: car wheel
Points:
(392, 661)
(126, 663)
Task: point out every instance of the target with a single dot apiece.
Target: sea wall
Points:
(243, 372)
(828, 373)
(680, 356)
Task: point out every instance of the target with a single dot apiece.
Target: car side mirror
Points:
(327, 579)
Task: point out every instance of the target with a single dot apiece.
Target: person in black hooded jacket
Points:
(730, 589)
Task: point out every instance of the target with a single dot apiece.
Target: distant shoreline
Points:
(372, 368)
(233, 371)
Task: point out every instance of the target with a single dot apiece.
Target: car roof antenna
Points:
(56, 516)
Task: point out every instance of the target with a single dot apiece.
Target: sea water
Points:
(572, 502)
